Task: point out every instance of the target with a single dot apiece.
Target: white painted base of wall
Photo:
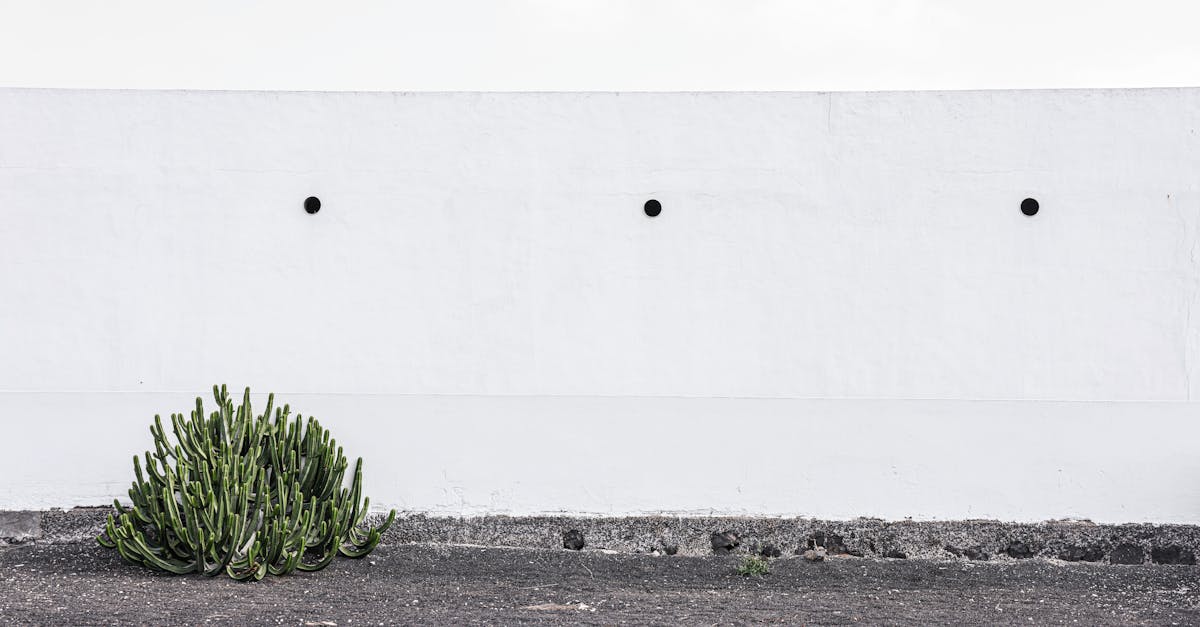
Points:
(835, 459)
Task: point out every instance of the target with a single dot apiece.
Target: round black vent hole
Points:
(652, 207)
(312, 204)
(1029, 206)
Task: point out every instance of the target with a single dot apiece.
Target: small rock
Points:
(671, 550)
(724, 542)
(1075, 553)
(573, 540)
(1127, 554)
(814, 555)
(1173, 554)
(768, 550)
(1019, 550)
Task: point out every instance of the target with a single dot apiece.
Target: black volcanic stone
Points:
(1081, 554)
(1173, 554)
(1127, 554)
(831, 542)
(724, 542)
(1019, 550)
(573, 540)
(769, 550)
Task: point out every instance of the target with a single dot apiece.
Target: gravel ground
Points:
(437, 584)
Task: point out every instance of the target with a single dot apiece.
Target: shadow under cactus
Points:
(242, 494)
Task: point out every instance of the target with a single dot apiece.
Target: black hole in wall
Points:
(1029, 206)
(652, 208)
(312, 204)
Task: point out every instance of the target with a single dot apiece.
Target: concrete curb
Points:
(701, 535)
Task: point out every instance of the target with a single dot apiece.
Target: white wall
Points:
(840, 312)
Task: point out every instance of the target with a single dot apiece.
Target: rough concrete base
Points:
(972, 539)
(18, 527)
(977, 540)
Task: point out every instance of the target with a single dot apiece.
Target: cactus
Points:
(242, 494)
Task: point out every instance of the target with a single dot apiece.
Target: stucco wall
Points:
(841, 310)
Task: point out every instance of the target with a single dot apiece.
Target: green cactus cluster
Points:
(242, 494)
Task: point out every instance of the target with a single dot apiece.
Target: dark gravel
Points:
(436, 584)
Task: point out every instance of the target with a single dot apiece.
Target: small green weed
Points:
(753, 566)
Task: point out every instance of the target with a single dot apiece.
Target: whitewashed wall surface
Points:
(841, 310)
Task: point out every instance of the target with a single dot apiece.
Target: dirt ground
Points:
(81, 584)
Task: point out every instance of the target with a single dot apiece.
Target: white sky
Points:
(599, 44)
